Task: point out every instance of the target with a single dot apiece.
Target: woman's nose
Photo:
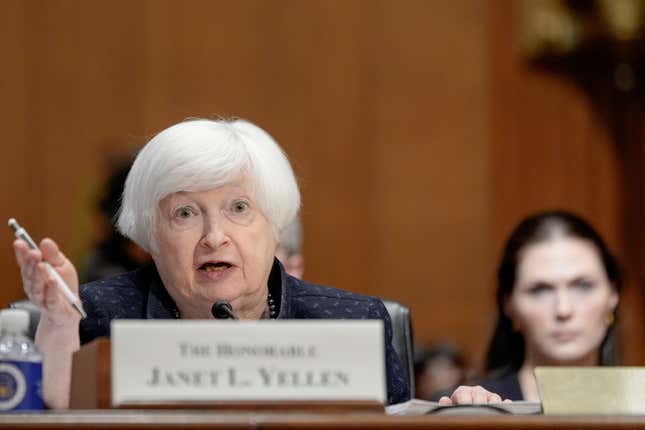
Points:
(214, 235)
(563, 305)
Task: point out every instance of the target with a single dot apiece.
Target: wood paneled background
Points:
(418, 134)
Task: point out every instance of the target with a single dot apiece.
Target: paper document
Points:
(423, 407)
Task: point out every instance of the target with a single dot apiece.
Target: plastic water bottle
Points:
(21, 367)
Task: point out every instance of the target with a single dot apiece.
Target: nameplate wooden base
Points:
(254, 406)
(91, 386)
(91, 389)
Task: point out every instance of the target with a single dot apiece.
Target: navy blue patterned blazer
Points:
(141, 295)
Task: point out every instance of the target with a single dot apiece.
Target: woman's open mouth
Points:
(215, 267)
(215, 270)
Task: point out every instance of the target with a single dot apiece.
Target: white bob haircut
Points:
(197, 155)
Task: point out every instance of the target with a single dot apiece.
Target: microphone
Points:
(222, 310)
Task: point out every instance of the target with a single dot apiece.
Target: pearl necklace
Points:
(273, 312)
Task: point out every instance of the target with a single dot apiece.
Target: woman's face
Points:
(215, 245)
(561, 301)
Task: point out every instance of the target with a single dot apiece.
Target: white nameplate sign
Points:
(170, 361)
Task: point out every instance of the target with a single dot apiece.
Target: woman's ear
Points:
(508, 309)
(614, 299)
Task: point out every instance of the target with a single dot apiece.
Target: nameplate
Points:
(177, 361)
(592, 390)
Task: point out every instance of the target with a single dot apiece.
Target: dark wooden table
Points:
(201, 419)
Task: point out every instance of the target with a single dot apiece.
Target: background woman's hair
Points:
(506, 348)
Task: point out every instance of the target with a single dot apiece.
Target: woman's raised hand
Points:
(41, 287)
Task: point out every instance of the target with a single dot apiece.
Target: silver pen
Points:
(21, 233)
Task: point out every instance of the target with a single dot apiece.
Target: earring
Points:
(610, 319)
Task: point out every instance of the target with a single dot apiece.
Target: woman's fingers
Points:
(51, 253)
(52, 297)
(25, 255)
(36, 285)
(480, 396)
(40, 286)
(32, 279)
(465, 395)
(29, 268)
(445, 401)
(493, 398)
(20, 248)
(55, 257)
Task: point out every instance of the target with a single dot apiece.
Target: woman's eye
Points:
(240, 211)
(538, 289)
(583, 284)
(184, 212)
(239, 206)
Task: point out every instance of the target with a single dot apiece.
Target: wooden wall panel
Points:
(431, 172)
(17, 174)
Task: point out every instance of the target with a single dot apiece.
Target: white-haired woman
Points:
(207, 199)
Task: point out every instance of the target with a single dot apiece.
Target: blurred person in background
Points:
(114, 253)
(557, 296)
(437, 368)
(289, 250)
